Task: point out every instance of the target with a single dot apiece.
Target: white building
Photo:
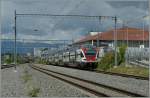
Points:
(37, 52)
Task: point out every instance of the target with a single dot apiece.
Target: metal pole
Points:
(115, 40)
(143, 33)
(127, 37)
(15, 50)
(97, 39)
(142, 57)
(98, 33)
(149, 30)
(64, 44)
(128, 46)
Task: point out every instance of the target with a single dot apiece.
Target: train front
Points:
(90, 57)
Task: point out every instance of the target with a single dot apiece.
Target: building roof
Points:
(125, 33)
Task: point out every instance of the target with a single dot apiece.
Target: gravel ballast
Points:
(124, 83)
(18, 84)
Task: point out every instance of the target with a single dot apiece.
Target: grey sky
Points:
(63, 28)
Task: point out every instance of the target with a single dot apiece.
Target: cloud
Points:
(62, 28)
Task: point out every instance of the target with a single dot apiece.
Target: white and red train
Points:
(81, 57)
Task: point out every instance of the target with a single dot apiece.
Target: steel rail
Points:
(90, 86)
(138, 63)
(7, 66)
(122, 75)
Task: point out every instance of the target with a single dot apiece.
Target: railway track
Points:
(113, 73)
(139, 63)
(122, 75)
(98, 90)
(7, 66)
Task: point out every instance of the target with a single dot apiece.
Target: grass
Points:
(134, 70)
(34, 92)
(26, 77)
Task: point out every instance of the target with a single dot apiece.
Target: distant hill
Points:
(7, 46)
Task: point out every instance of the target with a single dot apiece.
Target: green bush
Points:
(122, 50)
(108, 61)
(8, 61)
(43, 61)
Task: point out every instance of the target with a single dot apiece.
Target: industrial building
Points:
(132, 37)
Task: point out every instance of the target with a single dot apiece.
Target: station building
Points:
(132, 37)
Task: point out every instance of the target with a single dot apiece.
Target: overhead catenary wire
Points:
(71, 16)
(34, 39)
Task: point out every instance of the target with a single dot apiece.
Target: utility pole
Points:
(15, 50)
(115, 40)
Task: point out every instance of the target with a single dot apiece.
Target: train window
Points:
(81, 54)
(91, 52)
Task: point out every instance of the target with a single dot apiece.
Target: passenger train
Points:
(81, 57)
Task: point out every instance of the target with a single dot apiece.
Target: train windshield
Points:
(90, 52)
